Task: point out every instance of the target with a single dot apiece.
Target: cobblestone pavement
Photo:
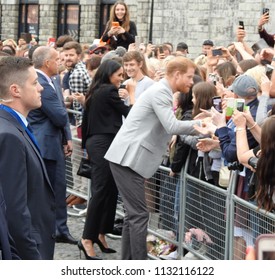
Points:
(65, 251)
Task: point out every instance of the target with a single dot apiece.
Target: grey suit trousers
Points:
(131, 188)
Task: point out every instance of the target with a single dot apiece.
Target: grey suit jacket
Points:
(143, 138)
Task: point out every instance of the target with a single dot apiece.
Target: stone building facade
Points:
(161, 21)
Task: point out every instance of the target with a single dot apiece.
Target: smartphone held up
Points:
(265, 247)
(115, 24)
(241, 24)
(217, 103)
(266, 11)
(217, 52)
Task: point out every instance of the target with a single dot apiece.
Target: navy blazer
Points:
(27, 191)
(7, 246)
(50, 123)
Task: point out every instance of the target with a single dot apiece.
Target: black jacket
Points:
(103, 113)
(123, 40)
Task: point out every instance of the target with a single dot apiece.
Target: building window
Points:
(68, 22)
(29, 19)
(105, 9)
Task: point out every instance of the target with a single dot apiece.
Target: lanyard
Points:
(14, 114)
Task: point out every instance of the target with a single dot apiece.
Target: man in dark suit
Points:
(50, 124)
(7, 246)
(26, 187)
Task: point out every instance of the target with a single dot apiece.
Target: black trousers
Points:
(102, 205)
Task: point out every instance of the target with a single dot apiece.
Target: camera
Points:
(253, 161)
(235, 166)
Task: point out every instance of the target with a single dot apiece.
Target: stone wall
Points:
(197, 20)
(173, 21)
(9, 21)
(48, 19)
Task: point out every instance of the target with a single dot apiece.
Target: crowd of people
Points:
(132, 99)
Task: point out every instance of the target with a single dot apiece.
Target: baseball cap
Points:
(208, 43)
(245, 86)
(182, 46)
(94, 47)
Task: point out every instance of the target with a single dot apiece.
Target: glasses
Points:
(99, 52)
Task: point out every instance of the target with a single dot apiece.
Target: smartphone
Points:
(212, 78)
(240, 104)
(217, 52)
(122, 86)
(137, 42)
(265, 11)
(265, 247)
(269, 69)
(160, 49)
(115, 23)
(217, 103)
(241, 24)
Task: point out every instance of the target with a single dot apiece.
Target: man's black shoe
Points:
(65, 238)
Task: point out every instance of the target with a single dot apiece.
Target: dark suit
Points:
(7, 245)
(50, 125)
(101, 121)
(27, 191)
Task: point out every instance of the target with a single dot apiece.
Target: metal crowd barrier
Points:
(208, 221)
(76, 185)
(187, 206)
(247, 222)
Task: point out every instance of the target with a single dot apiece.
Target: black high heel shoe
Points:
(103, 248)
(81, 248)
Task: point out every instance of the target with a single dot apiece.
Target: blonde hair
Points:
(257, 73)
(10, 42)
(200, 60)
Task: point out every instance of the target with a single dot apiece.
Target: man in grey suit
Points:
(51, 127)
(140, 145)
(29, 197)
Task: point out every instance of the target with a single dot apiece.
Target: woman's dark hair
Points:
(266, 166)
(102, 76)
(203, 91)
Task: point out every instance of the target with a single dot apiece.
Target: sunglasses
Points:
(99, 52)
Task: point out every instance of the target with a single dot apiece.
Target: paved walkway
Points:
(71, 252)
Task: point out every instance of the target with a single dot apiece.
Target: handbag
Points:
(224, 177)
(84, 169)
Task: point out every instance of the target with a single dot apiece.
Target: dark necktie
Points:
(31, 135)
